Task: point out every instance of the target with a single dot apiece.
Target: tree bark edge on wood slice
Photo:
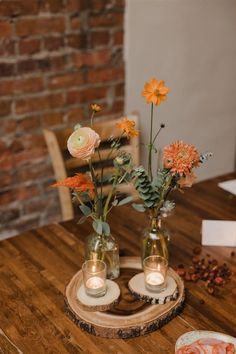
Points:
(104, 303)
(136, 286)
(111, 325)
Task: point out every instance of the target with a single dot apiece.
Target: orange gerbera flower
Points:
(180, 158)
(128, 127)
(80, 182)
(155, 91)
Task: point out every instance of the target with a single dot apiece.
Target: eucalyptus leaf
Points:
(105, 228)
(85, 210)
(139, 207)
(82, 219)
(97, 225)
(125, 200)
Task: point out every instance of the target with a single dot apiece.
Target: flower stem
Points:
(150, 146)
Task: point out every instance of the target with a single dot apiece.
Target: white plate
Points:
(190, 337)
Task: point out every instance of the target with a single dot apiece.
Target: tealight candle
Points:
(155, 269)
(94, 276)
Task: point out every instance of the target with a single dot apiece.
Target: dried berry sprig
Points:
(207, 270)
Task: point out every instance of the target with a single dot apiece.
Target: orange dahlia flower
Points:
(180, 158)
(187, 181)
(155, 91)
(80, 182)
(128, 127)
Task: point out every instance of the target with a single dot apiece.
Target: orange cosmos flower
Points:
(155, 91)
(96, 108)
(128, 127)
(80, 182)
(180, 158)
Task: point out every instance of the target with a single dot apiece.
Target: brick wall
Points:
(56, 57)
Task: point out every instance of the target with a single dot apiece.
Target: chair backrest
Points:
(64, 165)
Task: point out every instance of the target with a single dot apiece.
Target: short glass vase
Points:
(105, 248)
(155, 240)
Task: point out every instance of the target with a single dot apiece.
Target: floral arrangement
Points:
(87, 188)
(179, 161)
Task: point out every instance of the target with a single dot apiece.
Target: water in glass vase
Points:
(155, 241)
(104, 248)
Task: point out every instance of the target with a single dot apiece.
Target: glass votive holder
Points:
(155, 273)
(94, 277)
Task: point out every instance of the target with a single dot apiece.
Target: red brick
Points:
(5, 29)
(7, 69)
(103, 75)
(59, 62)
(16, 146)
(24, 193)
(111, 19)
(27, 124)
(6, 180)
(6, 161)
(5, 108)
(74, 115)
(118, 38)
(39, 103)
(39, 170)
(75, 23)
(53, 43)
(16, 7)
(8, 126)
(99, 57)
(100, 5)
(66, 80)
(86, 95)
(6, 87)
(27, 156)
(10, 87)
(99, 38)
(40, 26)
(76, 5)
(10, 215)
(51, 6)
(27, 66)
(120, 89)
(29, 46)
(7, 47)
(51, 119)
(77, 41)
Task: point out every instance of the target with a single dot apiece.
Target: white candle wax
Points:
(155, 278)
(95, 283)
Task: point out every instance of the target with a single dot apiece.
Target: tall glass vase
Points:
(155, 240)
(104, 248)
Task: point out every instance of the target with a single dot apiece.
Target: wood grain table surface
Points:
(36, 265)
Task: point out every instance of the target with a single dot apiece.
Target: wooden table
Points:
(36, 265)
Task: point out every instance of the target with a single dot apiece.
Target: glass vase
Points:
(155, 240)
(106, 249)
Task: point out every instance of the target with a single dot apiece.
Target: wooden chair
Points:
(65, 165)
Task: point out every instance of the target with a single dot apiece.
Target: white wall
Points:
(191, 44)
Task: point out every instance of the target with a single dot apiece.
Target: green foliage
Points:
(125, 200)
(85, 210)
(101, 227)
(139, 207)
(146, 190)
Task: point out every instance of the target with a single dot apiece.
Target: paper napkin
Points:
(229, 186)
(218, 233)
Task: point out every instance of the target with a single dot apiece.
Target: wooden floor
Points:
(36, 266)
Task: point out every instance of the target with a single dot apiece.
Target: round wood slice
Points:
(137, 287)
(130, 317)
(103, 303)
